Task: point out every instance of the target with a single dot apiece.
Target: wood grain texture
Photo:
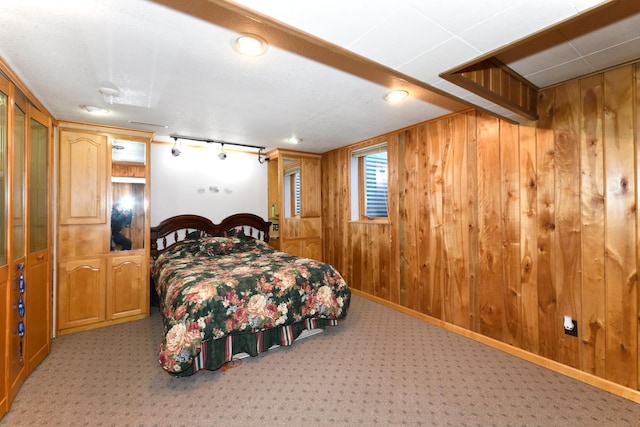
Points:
(528, 239)
(593, 316)
(547, 298)
(503, 229)
(620, 229)
(430, 198)
(490, 292)
(510, 227)
(568, 236)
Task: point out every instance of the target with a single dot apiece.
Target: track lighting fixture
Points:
(175, 152)
(223, 154)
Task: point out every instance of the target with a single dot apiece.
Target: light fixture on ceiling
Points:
(250, 45)
(92, 109)
(396, 95)
(223, 154)
(175, 152)
(294, 140)
(109, 91)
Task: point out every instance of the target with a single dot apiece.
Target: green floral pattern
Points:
(216, 286)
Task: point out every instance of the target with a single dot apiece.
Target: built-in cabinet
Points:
(26, 136)
(294, 202)
(103, 233)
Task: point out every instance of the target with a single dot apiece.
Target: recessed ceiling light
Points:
(250, 45)
(93, 109)
(396, 95)
(293, 140)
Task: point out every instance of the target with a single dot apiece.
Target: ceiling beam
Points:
(236, 18)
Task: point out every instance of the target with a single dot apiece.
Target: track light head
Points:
(222, 155)
(175, 152)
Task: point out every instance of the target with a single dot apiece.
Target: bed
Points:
(223, 291)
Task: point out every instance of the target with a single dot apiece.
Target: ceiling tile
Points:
(337, 21)
(521, 19)
(602, 38)
(559, 73)
(400, 38)
(474, 12)
(443, 57)
(618, 54)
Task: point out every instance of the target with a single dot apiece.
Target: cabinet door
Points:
(4, 267)
(38, 309)
(310, 180)
(293, 247)
(16, 365)
(38, 291)
(81, 293)
(313, 249)
(83, 178)
(127, 293)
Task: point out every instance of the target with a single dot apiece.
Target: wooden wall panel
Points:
(528, 239)
(472, 219)
(490, 295)
(394, 152)
(503, 229)
(592, 205)
(620, 229)
(431, 218)
(455, 224)
(636, 107)
(568, 232)
(547, 297)
(510, 227)
(412, 265)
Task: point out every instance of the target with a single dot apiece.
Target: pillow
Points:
(194, 235)
(234, 232)
(214, 246)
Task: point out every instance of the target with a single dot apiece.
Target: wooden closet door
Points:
(4, 267)
(83, 178)
(17, 251)
(38, 292)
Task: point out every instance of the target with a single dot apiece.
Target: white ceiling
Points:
(327, 69)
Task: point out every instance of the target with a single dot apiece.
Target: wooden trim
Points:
(240, 19)
(108, 130)
(493, 80)
(568, 371)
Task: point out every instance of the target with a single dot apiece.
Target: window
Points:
(296, 192)
(369, 182)
(292, 190)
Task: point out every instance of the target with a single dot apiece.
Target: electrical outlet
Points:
(572, 331)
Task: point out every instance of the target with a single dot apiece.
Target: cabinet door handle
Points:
(40, 257)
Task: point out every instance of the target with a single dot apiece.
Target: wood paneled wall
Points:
(503, 229)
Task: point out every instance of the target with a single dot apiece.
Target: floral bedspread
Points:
(216, 286)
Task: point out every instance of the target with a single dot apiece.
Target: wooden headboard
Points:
(175, 230)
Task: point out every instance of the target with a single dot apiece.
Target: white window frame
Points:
(359, 199)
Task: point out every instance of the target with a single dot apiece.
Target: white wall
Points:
(186, 184)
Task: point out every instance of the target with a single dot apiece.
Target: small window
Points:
(292, 190)
(296, 193)
(369, 183)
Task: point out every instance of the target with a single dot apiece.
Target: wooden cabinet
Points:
(83, 178)
(294, 193)
(26, 243)
(103, 234)
(81, 293)
(127, 294)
